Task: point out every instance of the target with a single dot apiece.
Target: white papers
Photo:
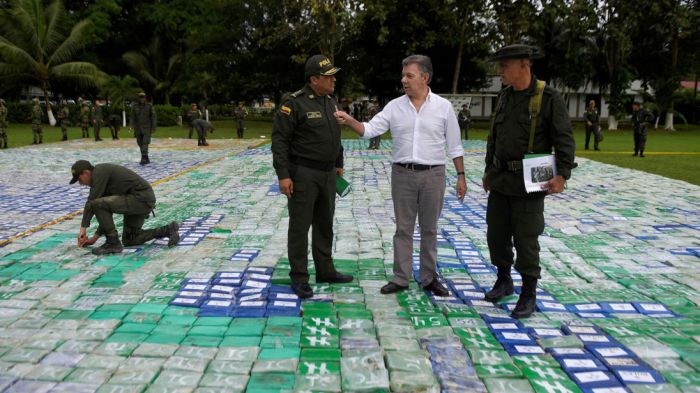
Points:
(537, 171)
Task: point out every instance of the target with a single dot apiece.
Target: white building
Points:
(483, 102)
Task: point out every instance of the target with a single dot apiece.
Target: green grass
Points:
(664, 148)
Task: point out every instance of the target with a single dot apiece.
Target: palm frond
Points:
(16, 55)
(139, 64)
(54, 34)
(83, 74)
(71, 45)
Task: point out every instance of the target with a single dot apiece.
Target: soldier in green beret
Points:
(85, 118)
(36, 123)
(530, 118)
(62, 117)
(3, 124)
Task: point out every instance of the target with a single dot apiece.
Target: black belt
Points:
(416, 167)
(313, 164)
(510, 166)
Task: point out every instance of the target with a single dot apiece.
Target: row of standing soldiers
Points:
(89, 116)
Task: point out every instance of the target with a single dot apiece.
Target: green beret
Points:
(517, 51)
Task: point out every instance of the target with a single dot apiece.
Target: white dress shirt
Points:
(419, 137)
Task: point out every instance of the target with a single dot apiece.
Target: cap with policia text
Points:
(319, 65)
(78, 168)
(517, 51)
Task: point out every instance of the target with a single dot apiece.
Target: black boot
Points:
(503, 286)
(111, 246)
(148, 160)
(171, 231)
(144, 159)
(641, 153)
(636, 153)
(528, 297)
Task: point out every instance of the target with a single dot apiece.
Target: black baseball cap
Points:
(319, 65)
(78, 168)
(517, 51)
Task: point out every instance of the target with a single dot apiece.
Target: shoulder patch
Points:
(285, 110)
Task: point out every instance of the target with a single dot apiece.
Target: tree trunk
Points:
(612, 122)
(49, 113)
(460, 52)
(669, 120)
(695, 97)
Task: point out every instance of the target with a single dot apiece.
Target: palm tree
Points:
(118, 90)
(37, 47)
(158, 66)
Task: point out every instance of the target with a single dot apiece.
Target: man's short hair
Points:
(423, 62)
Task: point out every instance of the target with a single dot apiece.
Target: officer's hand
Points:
(90, 241)
(339, 171)
(461, 187)
(554, 185)
(485, 183)
(589, 123)
(287, 187)
(82, 237)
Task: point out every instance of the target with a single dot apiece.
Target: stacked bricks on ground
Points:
(617, 305)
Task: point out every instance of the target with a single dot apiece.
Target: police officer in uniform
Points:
(62, 117)
(369, 114)
(143, 123)
(592, 119)
(240, 113)
(307, 154)
(514, 217)
(85, 119)
(641, 118)
(114, 121)
(202, 127)
(37, 132)
(115, 189)
(464, 118)
(193, 114)
(3, 124)
(97, 120)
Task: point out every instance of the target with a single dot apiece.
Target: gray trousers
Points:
(421, 194)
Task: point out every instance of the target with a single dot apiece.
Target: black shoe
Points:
(641, 154)
(635, 154)
(303, 290)
(173, 234)
(597, 149)
(392, 288)
(148, 160)
(111, 246)
(338, 278)
(527, 300)
(503, 286)
(143, 161)
(437, 288)
(205, 144)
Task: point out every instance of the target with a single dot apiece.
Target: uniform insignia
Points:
(286, 110)
(313, 115)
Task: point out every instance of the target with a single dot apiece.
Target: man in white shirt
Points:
(422, 124)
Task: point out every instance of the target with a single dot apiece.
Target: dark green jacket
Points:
(111, 179)
(591, 116)
(304, 127)
(3, 116)
(97, 113)
(508, 139)
(641, 119)
(143, 118)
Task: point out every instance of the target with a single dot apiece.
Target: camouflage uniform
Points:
(85, 119)
(240, 114)
(3, 125)
(192, 115)
(36, 123)
(97, 120)
(62, 117)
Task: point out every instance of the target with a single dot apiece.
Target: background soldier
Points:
(36, 123)
(464, 118)
(85, 118)
(115, 123)
(115, 189)
(592, 119)
(62, 117)
(641, 118)
(369, 114)
(202, 127)
(193, 114)
(307, 155)
(240, 113)
(143, 123)
(97, 120)
(3, 124)
(513, 216)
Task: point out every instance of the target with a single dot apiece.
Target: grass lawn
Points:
(671, 154)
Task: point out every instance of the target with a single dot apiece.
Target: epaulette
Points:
(297, 93)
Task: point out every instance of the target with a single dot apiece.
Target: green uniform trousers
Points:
(519, 221)
(312, 205)
(135, 213)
